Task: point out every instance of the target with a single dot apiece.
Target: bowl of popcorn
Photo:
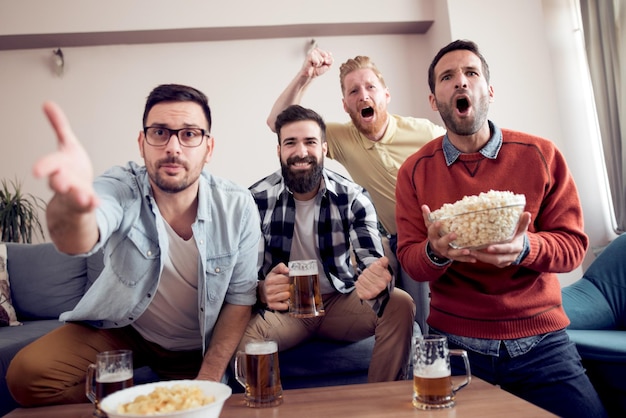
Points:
(176, 398)
(481, 220)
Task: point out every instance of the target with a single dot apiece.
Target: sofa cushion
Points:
(44, 282)
(605, 345)
(341, 363)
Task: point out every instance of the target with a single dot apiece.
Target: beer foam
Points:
(118, 376)
(439, 368)
(303, 268)
(261, 347)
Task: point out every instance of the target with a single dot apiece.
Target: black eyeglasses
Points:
(158, 136)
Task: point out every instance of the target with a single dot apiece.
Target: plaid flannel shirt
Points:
(345, 217)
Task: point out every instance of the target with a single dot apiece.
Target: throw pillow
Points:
(7, 313)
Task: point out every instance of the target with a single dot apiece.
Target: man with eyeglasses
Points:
(180, 251)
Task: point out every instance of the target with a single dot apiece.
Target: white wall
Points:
(541, 86)
(103, 91)
(104, 87)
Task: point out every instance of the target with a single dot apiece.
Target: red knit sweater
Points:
(480, 300)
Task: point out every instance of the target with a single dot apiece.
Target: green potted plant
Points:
(19, 213)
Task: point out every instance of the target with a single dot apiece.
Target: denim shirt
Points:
(132, 232)
(514, 348)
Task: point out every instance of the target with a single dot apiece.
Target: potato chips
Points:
(167, 399)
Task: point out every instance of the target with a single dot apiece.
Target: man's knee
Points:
(22, 372)
(400, 302)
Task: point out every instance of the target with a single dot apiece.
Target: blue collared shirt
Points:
(132, 232)
(490, 150)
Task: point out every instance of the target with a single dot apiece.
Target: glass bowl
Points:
(479, 228)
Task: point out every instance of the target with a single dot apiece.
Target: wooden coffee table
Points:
(375, 400)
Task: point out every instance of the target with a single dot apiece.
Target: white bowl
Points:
(220, 391)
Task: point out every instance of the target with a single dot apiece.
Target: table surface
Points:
(389, 399)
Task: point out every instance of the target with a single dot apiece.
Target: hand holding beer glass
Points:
(112, 371)
(305, 300)
(432, 381)
(258, 372)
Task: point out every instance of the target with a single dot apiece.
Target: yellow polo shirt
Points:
(374, 165)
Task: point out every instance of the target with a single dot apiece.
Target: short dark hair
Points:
(455, 46)
(295, 113)
(177, 93)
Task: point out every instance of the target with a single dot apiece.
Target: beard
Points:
(466, 126)
(370, 128)
(169, 184)
(302, 181)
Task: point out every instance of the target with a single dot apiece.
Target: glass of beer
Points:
(112, 371)
(258, 372)
(433, 387)
(305, 300)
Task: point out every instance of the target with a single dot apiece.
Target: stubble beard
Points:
(169, 184)
(465, 126)
(374, 128)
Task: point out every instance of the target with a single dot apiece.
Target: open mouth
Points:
(462, 105)
(301, 163)
(367, 112)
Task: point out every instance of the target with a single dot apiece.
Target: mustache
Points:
(295, 160)
(172, 160)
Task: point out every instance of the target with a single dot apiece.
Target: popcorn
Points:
(481, 220)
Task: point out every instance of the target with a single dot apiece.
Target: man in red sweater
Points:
(501, 303)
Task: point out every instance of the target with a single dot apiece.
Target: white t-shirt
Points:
(171, 319)
(303, 246)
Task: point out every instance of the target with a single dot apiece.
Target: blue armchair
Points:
(596, 307)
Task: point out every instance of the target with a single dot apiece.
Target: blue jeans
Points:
(550, 375)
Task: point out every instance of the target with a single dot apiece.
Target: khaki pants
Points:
(51, 370)
(347, 318)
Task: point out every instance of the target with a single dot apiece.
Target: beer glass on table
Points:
(258, 372)
(305, 299)
(433, 387)
(112, 371)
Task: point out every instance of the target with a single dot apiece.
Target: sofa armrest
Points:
(586, 307)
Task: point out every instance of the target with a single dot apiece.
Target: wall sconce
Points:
(58, 61)
(311, 44)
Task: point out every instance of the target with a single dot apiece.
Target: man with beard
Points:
(180, 247)
(501, 303)
(371, 147)
(311, 213)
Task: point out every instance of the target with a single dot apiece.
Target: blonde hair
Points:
(358, 63)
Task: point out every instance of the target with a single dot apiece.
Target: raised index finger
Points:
(59, 123)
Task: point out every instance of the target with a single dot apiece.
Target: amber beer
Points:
(112, 371)
(260, 374)
(305, 299)
(433, 387)
(108, 383)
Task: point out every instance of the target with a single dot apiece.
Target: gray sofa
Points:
(45, 283)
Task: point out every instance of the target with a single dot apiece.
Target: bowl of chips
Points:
(481, 220)
(175, 398)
